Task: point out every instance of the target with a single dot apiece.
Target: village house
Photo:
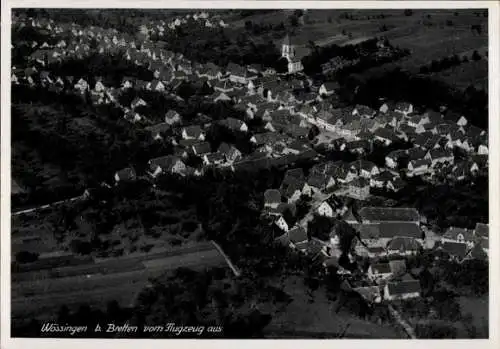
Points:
(167, 165)
(172, 117)
(364, 168)
(481, 230)
(234, 124)
(363, 112)
(359, 188)
(193, 132)
(158, 130)
(297, 236)
(389, 215)
(460, 120)
(137, 102)
(356, 147)
(125, 175)
(201, 148)
(402, 290)
(404, 108)
(282, 224)
(396, 185)
(328, 88)
(320, 182)
(155, 85)
(385, 136)
(392, 159)
(418, 120)
(371, 294)
(403, 246)
(459, 235)
(418, 167)
(237, 74)
(379, 271)
(212, 159)
(82, 86)
(439, 155)
(382, 179)
(131, 116)
(456, 251)
(230, 152)
(272, 198)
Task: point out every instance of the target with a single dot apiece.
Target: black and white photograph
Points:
(248, 173)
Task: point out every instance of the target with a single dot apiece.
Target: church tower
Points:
(287, 49)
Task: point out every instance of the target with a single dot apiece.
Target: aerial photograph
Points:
(249, 173)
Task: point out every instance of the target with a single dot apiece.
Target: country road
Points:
(406, 326)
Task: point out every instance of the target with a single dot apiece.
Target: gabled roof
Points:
(403, 229)
(171, 114)
(439, 153)
(403, 287)
(419, 163)
(228, 149)
(384, 176)
(453, 232)
(385, 133)
(317, 180)
(482, 230)
(359, 182)
(381, 268)
(126, 174)
(455, 249)
(161, 127)
(362, 165)
(297, 234)
(368, 231)
(403, 244)
(297, 173)
(370, 293)
(193, 131)
(331, 85)
(202, 148)
(416, 153)
(389, 214)
(164, 162)
(272, 196)
(349, 216)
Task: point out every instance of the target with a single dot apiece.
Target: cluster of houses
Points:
(288, 107)
(383, 233)
(202, 18)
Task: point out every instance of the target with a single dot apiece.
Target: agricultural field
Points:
(429, 34)
(114, 279)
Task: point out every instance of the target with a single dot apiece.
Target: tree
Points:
(26, 257)
(313, 132)
(248, 25)
(281, 65)
(476, 56)
(294, 21)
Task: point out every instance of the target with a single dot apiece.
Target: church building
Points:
(288, 52)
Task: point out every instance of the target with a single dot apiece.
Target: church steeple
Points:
(287, 49)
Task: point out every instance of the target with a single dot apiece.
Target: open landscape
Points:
(269, 173)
